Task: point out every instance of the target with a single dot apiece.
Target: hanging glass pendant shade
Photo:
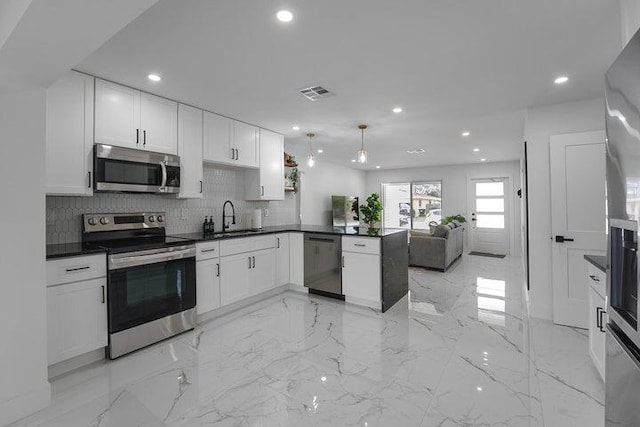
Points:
(362, 153)
(310, 158)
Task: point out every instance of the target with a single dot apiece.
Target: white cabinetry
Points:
(127, 117)
(247, 267)
(190, 151)
(267, 182)
(207, 276)
(282, 259)
(76, 306)
(296, 258)
(597, 317)
(69, 135)
(361, 271)
(230, 142)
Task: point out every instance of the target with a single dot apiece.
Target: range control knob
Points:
(152, 218)
(104, 220)
(160, 218)
(92, 221)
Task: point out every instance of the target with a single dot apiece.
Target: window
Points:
(412, 205)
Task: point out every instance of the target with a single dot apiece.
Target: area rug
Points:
(487, 254)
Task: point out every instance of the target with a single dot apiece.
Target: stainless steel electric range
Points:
(151, 286)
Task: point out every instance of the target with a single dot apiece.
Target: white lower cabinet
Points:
(234, 278)
(263, 271)
(76, 312)
(361, 276)
(597, 318)
(282, 259)
(296, 258)
(207, 285)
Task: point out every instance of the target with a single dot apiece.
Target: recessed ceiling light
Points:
(296, 128)
(154, 77)
(483, 159)
(397, 110)
(466, 133)
(320, 150)
(284, 16)
(353, 160)
(475, 150)
(377, 167)
(561, 79)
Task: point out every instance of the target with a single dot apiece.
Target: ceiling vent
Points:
(314, 93)
(416, 151)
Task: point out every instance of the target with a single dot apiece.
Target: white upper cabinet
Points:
(217, 139)
(246, 141)
(69, 135)
(230, 142)
(117, 115)
(190, 151)
(129, 118)
(159, 123)
(267, 183)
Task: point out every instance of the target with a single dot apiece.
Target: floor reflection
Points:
(491, 294)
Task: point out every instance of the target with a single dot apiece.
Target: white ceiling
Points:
(451, 65)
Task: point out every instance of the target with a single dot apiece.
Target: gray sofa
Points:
(438, 250)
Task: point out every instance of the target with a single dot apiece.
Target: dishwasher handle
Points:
(321, 239)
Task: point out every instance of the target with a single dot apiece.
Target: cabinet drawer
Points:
(362, 245)
(597, 279)
(74, 269)
(207, 250)
(235, 246)
(264, 242)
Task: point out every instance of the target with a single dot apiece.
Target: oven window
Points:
(624, 285)
(145, 293)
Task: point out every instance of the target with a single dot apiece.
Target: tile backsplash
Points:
(64, 213)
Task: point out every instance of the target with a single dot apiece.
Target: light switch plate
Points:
(266, 212)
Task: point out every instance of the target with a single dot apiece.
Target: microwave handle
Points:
(164, 174)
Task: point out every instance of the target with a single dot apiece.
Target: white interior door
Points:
(577, 168)
(489, 226)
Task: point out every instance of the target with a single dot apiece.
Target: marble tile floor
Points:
(459, 350)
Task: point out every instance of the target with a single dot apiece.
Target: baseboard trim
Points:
(74, 363)
(26, 404)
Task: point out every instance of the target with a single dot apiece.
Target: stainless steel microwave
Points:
(119, 169)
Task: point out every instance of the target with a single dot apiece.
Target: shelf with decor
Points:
(290, 173)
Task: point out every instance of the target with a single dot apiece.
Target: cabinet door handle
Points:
(137, 136)
(360, 245)
(249, 258)
(237, 154)
(342, 261)
(262, 190)
(233, 154)
(254, 261)
(71, 270)
(89, 183)
(278, 239)
(144, 137)
(602, 311)
(218, 270)
(594, 278)
(598, 317)
(102, 287)
(200, 186)
(207, 250)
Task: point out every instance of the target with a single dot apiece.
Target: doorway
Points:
(489, 205)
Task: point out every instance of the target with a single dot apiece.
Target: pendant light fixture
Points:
(310, 159)
(362, 154)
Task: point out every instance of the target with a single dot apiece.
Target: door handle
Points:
(598, 317)
(249, 258)
(237, 154)
(144, 137)
(218, 270)
(602, 311)
(254, 262)
(89, 186)
(102, 288)
(71, 270)
(562, 239)
(594, 278)
(164, 174)
(262, 190)
(137, 136)
(278, 239)
(200, 186)
(342, 261)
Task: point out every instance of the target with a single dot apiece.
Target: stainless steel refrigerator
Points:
(622, 117)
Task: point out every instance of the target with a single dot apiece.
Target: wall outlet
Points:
(266, 212)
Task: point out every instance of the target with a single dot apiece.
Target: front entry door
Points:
(577, 163)
(489, 215)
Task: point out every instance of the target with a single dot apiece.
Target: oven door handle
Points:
(135, 260)
(164, 174)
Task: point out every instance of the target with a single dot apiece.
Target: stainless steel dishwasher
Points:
(322, 264)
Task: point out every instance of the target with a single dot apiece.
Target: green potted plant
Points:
(461, 219)
(372, 211)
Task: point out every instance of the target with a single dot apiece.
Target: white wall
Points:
(540, 124)
(23, 336)
(630, 17)
(455, 187)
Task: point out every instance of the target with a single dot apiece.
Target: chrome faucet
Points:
(224, 216)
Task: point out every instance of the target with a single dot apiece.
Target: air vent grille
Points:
(313, 93)
(416, 151)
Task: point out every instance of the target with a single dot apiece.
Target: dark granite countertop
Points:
(62, 250)
(599, 261)
(319, 229)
